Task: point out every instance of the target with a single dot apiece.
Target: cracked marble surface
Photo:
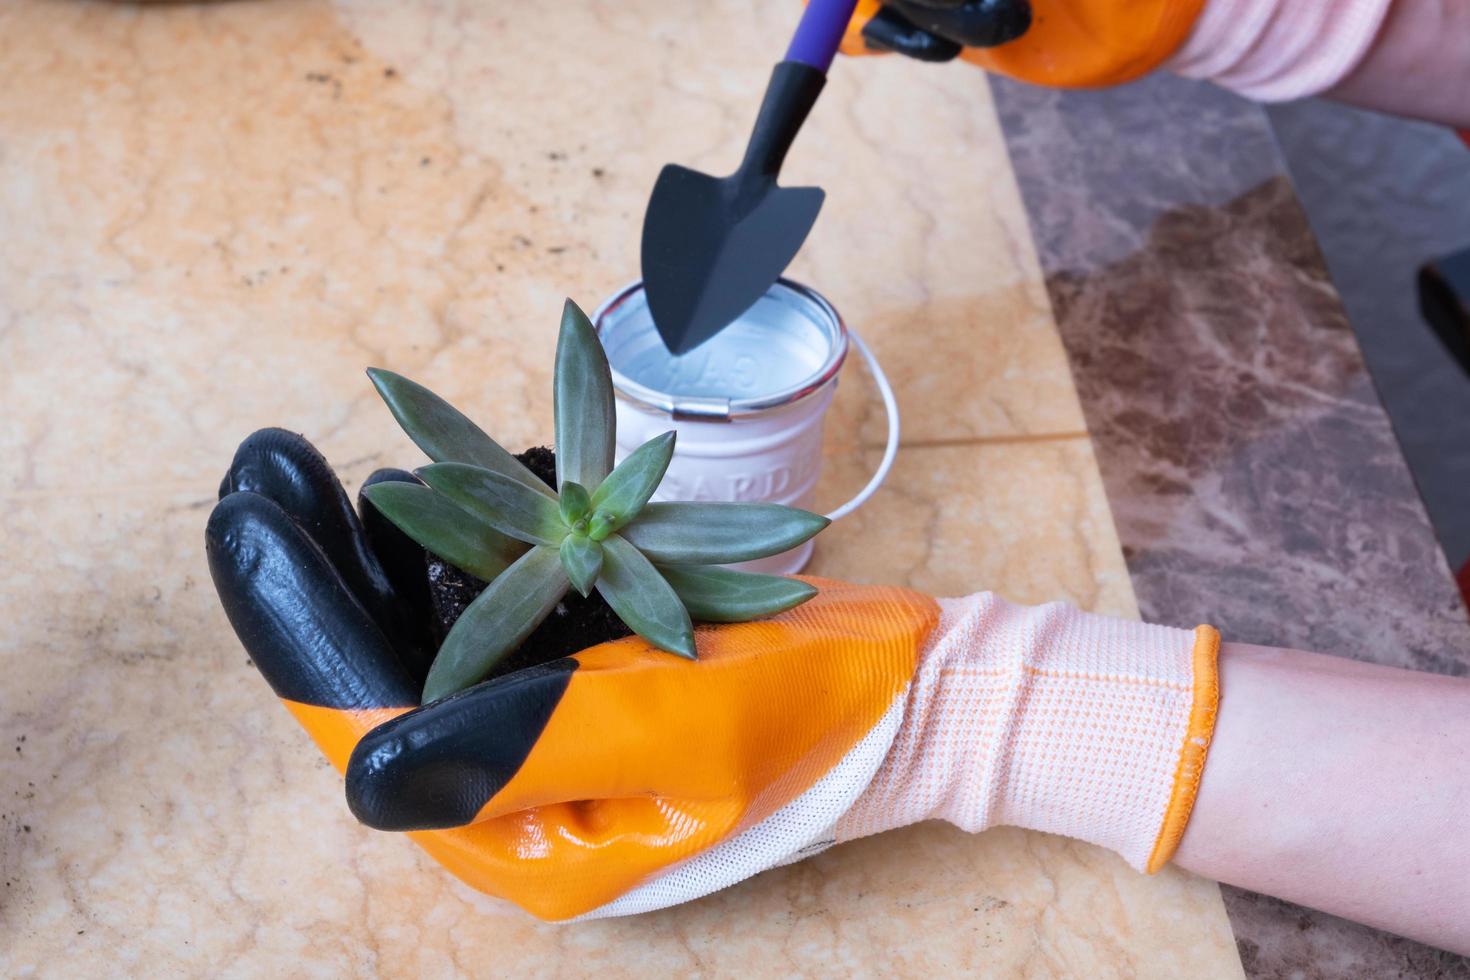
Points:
(1252, 472)
(216, 215)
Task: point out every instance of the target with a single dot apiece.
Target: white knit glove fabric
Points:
(1273, 50)
(1042, 717)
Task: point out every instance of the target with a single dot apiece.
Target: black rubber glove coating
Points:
(402, 559)
(307, 632)
(302, 584)
(970, 23)
(334, 612)
(890, 30)
(285, 468)
(438, 766)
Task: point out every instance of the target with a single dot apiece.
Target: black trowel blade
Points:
(712, 246)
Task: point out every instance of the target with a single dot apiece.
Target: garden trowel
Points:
(712, 246)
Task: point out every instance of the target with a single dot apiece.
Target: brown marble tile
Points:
(1252, 473)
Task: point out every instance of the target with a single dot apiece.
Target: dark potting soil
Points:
(574, 624)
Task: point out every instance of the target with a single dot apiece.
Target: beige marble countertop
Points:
(215, 216)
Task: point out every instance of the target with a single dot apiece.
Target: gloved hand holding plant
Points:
(619, 778)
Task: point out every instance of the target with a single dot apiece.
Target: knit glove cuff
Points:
(1052, 719)
(1273, 50)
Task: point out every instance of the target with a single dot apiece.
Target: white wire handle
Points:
(890, 408)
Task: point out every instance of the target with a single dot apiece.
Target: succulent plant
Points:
(656, 564)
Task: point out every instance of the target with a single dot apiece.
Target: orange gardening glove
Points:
(621, 779)
(1065, 43)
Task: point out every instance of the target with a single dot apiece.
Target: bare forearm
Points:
(1419, 65)
(1342, 786)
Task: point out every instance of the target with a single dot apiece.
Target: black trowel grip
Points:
(792, 92)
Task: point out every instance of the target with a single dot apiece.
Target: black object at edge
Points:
(1444, 302)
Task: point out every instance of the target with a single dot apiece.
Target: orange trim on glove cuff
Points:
(1196, 747)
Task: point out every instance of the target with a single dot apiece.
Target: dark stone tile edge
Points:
(1252, 473)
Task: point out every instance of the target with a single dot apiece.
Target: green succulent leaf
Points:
(497, 621)
(583, 401)
(600, 525)
(582, 559)
(721, 595)
(435, 522)
(443, 432)
(625, 491)
(506, 504)
(643, 599)
(576, 504)
(719, 533)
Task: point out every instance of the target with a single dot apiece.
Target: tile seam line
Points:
(1018, 439)
(43, 493)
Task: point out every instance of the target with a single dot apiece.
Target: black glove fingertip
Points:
(305, 629)
(438, 766)
(889, 30)
(973, 23)
(284, 467)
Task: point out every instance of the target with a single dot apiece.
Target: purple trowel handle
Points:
(820, 32)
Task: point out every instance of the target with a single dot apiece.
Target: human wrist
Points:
(1416, 65)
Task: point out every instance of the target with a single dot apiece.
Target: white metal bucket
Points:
(747, 405)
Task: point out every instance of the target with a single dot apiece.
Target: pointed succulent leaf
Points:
(643, 599)
(582, 559)
(454, 534)
(583, 402)
(497, 621)
(443, 432)
(600, 525)
(625, 491)
(576, 504)
(719, 533)
(505, 504)
(721, 595)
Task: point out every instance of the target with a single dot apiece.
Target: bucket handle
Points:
(890, 451)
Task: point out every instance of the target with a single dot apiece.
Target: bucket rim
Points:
(729, 408)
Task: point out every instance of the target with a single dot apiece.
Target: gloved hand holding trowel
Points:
(1407, 57)
(711, 246)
